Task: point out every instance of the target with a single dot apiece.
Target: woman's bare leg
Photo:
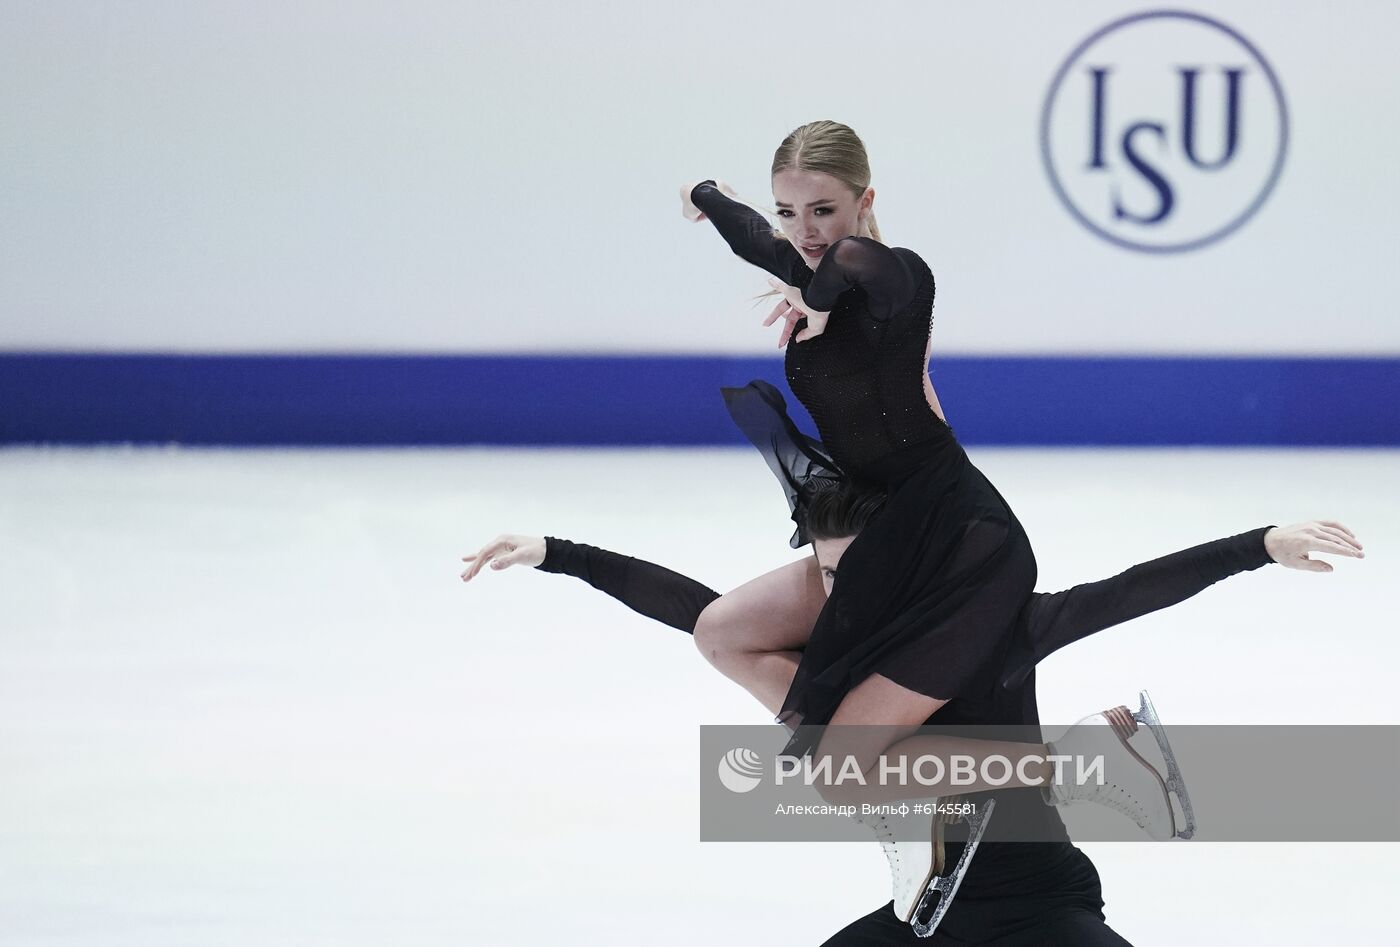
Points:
(751, 634)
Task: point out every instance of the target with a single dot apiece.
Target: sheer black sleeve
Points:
(1051, 621)
(644, 587)
(748, 233)
(882, 272)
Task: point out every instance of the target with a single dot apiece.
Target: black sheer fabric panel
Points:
(799, 462)
(884, 273)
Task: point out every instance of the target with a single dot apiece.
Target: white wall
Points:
(502, 177)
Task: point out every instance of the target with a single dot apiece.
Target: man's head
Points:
(834, 516)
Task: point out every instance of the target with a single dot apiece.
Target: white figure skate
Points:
(923, 885)
(1132, 785)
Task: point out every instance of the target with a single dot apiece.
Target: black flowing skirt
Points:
(927, 595)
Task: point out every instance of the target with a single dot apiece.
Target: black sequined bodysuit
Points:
(862, 378)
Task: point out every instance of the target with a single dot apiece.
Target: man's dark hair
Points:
(838, 511)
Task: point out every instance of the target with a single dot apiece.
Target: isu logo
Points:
(1164, 131)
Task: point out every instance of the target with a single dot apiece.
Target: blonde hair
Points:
(830, 148)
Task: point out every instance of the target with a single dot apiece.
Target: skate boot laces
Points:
(1131, 785)
(911, 863)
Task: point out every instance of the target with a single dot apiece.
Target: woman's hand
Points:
(504, 552)
(793, 309)
(1289, 545)
(689, 211)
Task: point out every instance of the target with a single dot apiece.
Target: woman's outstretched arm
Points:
(748, 233)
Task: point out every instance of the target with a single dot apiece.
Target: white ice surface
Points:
(245, 700)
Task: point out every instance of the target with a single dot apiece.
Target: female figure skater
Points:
(921, 617)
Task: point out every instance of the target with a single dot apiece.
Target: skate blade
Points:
(942, 888)
(1175, 784)
(935, 863)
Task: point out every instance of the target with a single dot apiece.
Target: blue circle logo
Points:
(1164, 131)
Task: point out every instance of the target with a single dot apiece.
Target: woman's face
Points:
(815, 210)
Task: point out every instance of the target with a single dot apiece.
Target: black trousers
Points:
(1034, 896)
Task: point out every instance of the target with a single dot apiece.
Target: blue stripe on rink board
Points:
(672, 399)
